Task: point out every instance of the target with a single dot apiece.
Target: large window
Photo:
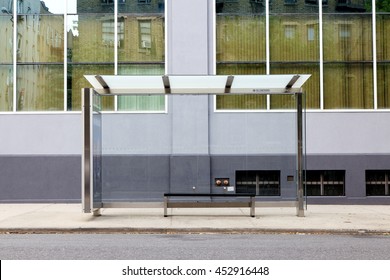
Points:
(241, 48)
(261, 182)
(377, 182)
(347, 73)
(325, 183)
(42, 68)
(6, 57)
(383, 52)
(348, 56)
(140, 48)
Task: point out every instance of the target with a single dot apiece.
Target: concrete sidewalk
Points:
(68, 218)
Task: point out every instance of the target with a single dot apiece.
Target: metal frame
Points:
(86, 164)
(102, 87)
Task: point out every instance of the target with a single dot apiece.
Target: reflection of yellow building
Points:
(6, 84)
(294, 47)
(140, 39)
(39, 56)
(140, 47)
(342, 67)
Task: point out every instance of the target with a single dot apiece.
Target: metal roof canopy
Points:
(210, 84)
(184, 85)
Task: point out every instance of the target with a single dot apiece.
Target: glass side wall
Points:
(97, 148)
(138, 158)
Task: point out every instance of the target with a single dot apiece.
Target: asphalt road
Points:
(193, 246)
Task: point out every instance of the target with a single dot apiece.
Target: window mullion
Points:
(116, 48)
(14, 54)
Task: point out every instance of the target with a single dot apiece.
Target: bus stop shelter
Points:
(122, 85)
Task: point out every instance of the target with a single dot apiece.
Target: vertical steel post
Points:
(87, 180)
(300, 204)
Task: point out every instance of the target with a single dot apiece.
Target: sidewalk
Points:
(68, 218)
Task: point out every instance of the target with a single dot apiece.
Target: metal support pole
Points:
(165, 206)
(253, 205)
(300, 204)
(87, 181)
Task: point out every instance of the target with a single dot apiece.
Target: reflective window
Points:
(348, 55)
(91, 47)
(383, 52)
(141, 103)
(40, 87)
(294, 48)
(144, 50)
(6, 58)
(39, 56)
(241, 48)
(6, 88)
(347, 77)
(44, 51)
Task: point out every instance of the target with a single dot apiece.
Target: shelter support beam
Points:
(87, 180)
(300, 204)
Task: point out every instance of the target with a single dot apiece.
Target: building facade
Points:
(154, 144)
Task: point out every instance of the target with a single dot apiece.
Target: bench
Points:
(204, 204)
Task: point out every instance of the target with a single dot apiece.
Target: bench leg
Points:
(253, 204)
(165, 206)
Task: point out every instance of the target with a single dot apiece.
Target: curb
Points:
(188, 231)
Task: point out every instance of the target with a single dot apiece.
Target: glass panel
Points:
(97, 150)
(141, 6)
(269, 183)
(310, 88)
(348, 57)
(334, 183)
(383, 52)
(246, 182)
(348, 85)
(96, 6)
(141, 38)
(383, 74)
(141, 103)
(40, 38)
(241, 102)
(35, 92)
(6, 88)
(294, 48)
(76, 82)
(6, 43)
(376, 182)
(6, 55)
(240, 49)
(92, 39)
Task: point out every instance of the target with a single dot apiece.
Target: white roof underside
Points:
(217, 84)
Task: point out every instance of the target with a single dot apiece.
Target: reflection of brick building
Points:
(289, 6)
(39, 54)
(140, 38)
